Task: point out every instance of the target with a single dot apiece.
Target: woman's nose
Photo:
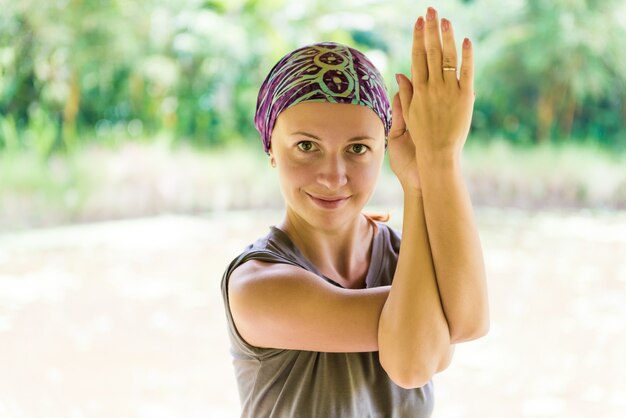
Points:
(332, 173)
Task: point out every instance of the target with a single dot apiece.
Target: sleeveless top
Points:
(279, 383)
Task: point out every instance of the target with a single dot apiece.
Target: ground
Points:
(125, 318)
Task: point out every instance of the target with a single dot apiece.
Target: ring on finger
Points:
(449, 68)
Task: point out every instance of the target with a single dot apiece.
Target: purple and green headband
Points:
(321, 72)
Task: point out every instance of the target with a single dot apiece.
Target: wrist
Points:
(412, 191)
(437, 160)
(437, 156)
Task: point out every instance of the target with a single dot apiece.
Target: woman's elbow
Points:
(412, 371)
(469, 332)
(410, 377)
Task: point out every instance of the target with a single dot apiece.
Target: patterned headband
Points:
(321, 72)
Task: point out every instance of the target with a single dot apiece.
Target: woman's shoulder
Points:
(277, 247)
(391, 237)
(273, 247)
(277, 244)
(389, 234)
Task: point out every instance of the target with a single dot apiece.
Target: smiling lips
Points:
(328, 202)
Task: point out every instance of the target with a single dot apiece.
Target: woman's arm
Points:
(437, 108)
(456, 250)
(413, 335)
(284, 306)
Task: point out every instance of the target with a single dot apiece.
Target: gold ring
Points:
(449, 68)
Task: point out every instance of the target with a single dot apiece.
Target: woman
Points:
(331, 314)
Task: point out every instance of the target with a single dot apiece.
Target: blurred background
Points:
(131, 174)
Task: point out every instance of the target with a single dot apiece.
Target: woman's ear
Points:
(272, 159)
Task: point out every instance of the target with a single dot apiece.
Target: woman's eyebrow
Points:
(356, 138)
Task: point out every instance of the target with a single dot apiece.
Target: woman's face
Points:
(328, 157)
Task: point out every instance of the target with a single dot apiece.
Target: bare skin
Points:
(438, 296)
(437, 110)
(336, 240)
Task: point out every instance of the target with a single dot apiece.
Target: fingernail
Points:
(466, 43)
(445, 25)
(430, 14)
(398, 79)
(420, 23)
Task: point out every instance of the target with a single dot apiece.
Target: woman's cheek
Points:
(295, 169)
(368, 171)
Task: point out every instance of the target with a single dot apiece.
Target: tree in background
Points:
(556, 70)
(81, 71)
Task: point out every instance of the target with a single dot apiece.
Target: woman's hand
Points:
(402, 157)
(436, 106)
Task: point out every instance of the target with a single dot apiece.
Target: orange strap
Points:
(372, 217)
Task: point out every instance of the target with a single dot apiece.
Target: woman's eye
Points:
(305, 146)
(358, 148)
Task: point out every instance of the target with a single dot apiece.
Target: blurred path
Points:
(125, 318)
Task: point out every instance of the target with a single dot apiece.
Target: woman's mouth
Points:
(329, 202)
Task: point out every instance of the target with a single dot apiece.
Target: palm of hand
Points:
(435, 106)
(403, 159)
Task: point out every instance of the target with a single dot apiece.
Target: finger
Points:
(405, 94)
(398, 125)
(449, 53)
(419, 69)
(433, 46)
(466, 80)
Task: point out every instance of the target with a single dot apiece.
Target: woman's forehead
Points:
(320, 115)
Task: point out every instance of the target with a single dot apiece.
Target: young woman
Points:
(332, 314)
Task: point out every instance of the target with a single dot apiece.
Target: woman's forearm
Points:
(455, 247)
(413, 334)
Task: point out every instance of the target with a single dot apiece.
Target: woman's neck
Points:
(341, 254)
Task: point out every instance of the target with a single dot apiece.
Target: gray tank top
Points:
(278, 383)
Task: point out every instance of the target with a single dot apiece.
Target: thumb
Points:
(398, 125)
(405, 92)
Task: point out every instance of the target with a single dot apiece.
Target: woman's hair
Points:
(321, 72)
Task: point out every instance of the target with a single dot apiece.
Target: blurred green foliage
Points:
(81, 71)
